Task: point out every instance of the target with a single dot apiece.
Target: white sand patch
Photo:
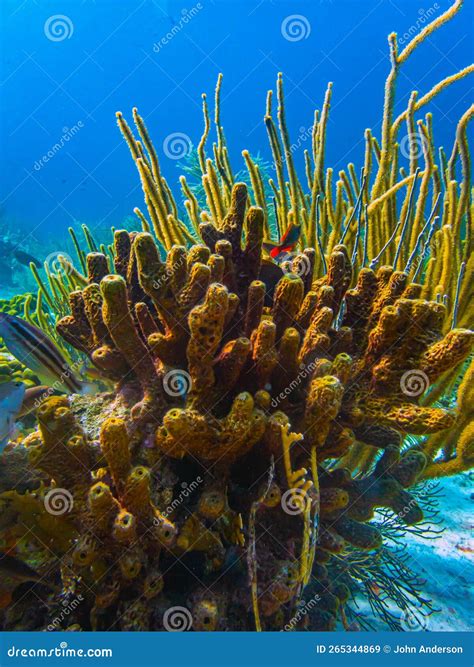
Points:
(446, 563)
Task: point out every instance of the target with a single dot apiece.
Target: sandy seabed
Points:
(446, 564)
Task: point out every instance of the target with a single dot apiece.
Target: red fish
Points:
(375, 588)
(287, 243)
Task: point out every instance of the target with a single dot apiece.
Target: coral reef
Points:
(260, 409)
(200, 404)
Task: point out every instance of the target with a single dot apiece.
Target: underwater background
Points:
(109, 56)
(67, 67)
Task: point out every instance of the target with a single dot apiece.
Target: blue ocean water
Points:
(68, 65)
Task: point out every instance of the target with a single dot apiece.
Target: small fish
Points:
(33, 398)
(270, 274)
(18, 571)
(36, 351)
(375, 588)
(233, 560)
(11, 398)
(287, 243)
(92, 373)
(26, 259)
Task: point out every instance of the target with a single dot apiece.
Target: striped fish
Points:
(15, 570)
(33, 398)
(37, 352)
